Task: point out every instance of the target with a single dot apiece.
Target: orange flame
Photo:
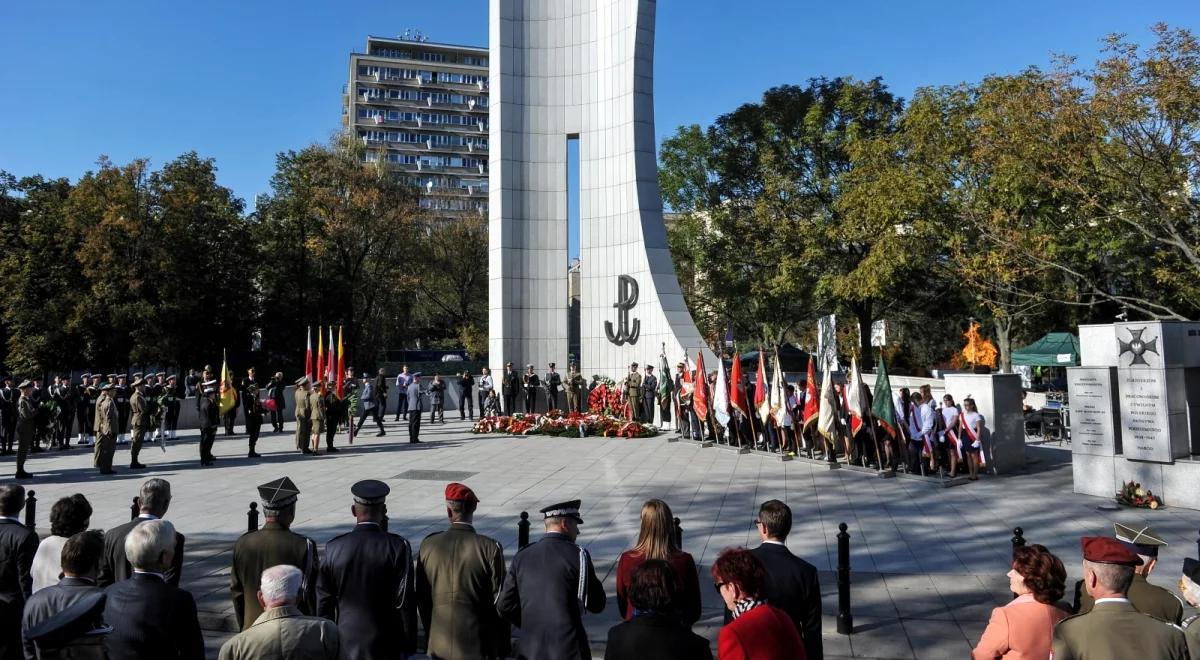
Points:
(978, 350)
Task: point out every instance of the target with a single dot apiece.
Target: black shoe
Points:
(332, 450)
(136, 466)
(254, 454)
(36, 449)
(380, 434)
(414, 442)
(108, 471)
(63, 447)
(306, 450)
(22, 474)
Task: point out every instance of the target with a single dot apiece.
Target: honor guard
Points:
(8, 416)
(272, 545)
(81, 408)
(105, 429)
(252, 407)
(548, 586)
(575, 388)
(1189, 585)
(530, 382)
(649, 392)
(139, 421)
(26, 426)
(120, 396)
(210, 418)
(508, 389)
(553, 387)
(156, 402)
(633, 391)
(1146, 598)
(365, 583)
(303, 415)
(63, 394)
(171, 403)
(1113, 628)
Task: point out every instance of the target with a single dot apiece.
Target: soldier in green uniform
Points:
(26, 425)
(156, 395)
(1113, 629)
(633, 391)
(316, 416)
(105, 429)
(1147, 598)
(139, 420)
(575, 384)
(303, 415)
(272, 545)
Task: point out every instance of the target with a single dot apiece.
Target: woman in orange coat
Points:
(759, 631)
(1024, 628)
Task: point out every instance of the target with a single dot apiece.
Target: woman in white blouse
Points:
(68, 516)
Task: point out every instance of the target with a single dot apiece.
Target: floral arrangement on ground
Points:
(1133, 494)
(568, 425)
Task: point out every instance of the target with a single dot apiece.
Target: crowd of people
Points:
(82, 593)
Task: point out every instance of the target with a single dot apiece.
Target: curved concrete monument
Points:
(578, 68)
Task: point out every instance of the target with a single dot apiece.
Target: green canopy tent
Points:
(1056, 349)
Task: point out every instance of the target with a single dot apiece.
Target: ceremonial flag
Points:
(856, 399)
(812, 405)
(779, 407)
(228, 396)
(882, 407)
(721, 395)
(664, 381)
(700, 397)
(827, 413)
(341, 366)
(320, 365)
(308, 357)
(329, 374)
(737, 395)
(762, 398)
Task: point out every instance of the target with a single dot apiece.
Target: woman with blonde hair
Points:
(656, 540)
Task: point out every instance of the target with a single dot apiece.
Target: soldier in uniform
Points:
(64, 395)
(530, 381)
(81, 408)
(317, 417)
(139, 421)
(210, 418)
(105, 429)
(156, 399)
(1114, 628)
(553, 387)
(575, 387)
(365, 584)
(26, 426)
(649, 392)
(1189, 586)
(333, 417)
(171, 403)
(254, 418)
(272, 545)
(93, 392)
(1146, 598)
(458, 577)
(8, 415)
(508, 388)
(121, 399)
(548, 586)
(43, 405)
(633, 392)
(303, 415)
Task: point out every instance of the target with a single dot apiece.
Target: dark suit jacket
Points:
(114, 567)
(50, 601)
(655, 636)
(792, 586)
(151, 620)
(18, 544)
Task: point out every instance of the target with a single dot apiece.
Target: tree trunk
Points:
(1004, 343)
(862, 314)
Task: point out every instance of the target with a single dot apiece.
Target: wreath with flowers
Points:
(565, 425)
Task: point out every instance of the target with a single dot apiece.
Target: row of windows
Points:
(400, 73)
(442, 140)
(423, 118)
(424, 161)
(453, 204)
(430, 184)
(427, 56)
(374, 93)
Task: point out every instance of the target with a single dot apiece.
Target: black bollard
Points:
(845, 620)
(252, 518)
(30, 510)
(678, 534)
(1198, 546)
(135, 509)
(523, 530)
(1018, 538)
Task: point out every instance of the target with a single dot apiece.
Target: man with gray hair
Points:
(281, 631)
(150, 617)
(154, 499)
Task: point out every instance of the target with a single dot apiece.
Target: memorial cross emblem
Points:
(627, 297)
(1138, 347)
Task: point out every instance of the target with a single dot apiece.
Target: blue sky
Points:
(242, 80)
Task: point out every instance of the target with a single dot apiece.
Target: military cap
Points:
(529, 366)
(171, 377)
(569, 509)
(111, 376)
(456, 492)
(1191, 569)
(138, 381)
(278, 494)
(138, 374)
(370, 491)
(1141, 540)
(551, 365)
(633, 366)
(161, 374)
(24, 384)
(1105, 550)
(122, 377)
(302, 381)
(83, 617)
(649, 367)
(105, 386)
(86, 375)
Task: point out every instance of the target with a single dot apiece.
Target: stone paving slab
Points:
(928, 563)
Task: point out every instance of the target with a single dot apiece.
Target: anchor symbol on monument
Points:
(1138, 347)
(627, 297)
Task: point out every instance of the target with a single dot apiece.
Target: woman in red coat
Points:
(656, 540)
(758, 630)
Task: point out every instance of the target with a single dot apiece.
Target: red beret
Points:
(456, 492)
(1105, 550)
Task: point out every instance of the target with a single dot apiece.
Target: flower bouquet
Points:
(569, 425)
(1132, 494)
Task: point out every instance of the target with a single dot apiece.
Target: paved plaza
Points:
(928, 562)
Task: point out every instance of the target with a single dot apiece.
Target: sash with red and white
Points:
(955, 442)
(973, 438)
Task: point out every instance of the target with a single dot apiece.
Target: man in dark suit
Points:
(155, 499)
(365, 583)
(792, 583)
(80, 566)
(17, 547)
(459, 573)
(151, 619)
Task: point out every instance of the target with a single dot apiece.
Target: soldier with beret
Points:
(1146, 598)
(365, 583)
(633, 392)
(459, 574)
(531, 382)
(138, 421)
(1114, 628)
(26, 426)
(272, 545)
(548, 586)
(105, 428)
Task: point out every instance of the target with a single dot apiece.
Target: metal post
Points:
(30, 510)
(678, 534)
(135, 508)
(252, 518)
(845, 620)
(523, 530)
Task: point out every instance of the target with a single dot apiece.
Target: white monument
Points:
(563, 69)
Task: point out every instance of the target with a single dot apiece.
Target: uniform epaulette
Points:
(337, 537)
(1073, 616)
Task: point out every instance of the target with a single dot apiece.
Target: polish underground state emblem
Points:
(627, 297)
(1138, 347)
